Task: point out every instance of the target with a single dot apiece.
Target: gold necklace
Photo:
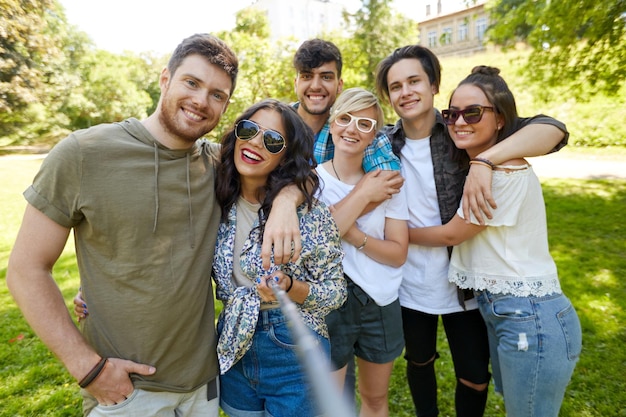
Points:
(332, 162)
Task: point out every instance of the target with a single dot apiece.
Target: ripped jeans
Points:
(534, 343)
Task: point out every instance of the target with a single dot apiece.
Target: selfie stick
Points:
(315, 361)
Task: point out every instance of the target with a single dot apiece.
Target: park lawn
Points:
(587, 227)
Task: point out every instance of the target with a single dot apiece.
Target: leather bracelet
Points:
(363, 244)
(483, 161)
(93, 374)
(290, 284)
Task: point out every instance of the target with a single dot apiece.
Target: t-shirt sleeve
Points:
(55, 191)
(397, 208)
(547, 120)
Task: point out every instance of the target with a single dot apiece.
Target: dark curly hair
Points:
(313, 53)
(297, 166)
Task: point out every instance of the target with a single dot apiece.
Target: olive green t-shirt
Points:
(145, 221)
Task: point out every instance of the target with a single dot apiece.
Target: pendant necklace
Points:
(332, 162)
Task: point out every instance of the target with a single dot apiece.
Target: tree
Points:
(53, 80)
(112, 88)
(264, 65)
(579, 44)
(377, 31)
(29, 56)
(23, 48)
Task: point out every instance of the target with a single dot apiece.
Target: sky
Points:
(149, 25)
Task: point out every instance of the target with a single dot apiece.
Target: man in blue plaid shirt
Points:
(318, 83)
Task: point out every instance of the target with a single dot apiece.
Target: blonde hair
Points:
(356, 99)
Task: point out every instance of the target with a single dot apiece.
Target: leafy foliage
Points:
(580, 44)
(24, 52)
(376, 31)
(53, 80)
(591, 122)
(265, 68)
(112, 88)
(31, 64)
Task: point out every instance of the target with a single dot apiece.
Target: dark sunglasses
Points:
(471, 115)
(272, 140)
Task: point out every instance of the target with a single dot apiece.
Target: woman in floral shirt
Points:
(270, 147)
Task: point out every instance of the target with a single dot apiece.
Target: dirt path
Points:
(557, 166)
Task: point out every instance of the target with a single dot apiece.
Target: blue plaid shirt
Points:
(378, 155)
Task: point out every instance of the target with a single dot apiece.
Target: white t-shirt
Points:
(425, 286)
(511, 256)
(379, 281)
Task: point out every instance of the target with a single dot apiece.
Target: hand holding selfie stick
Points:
(315, 362)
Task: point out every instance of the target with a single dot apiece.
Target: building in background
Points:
(447, 27)
(301, 19)
(453, 27)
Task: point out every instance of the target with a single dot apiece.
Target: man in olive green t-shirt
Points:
(139, 198)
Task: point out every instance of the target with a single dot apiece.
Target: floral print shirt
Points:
(320, 265)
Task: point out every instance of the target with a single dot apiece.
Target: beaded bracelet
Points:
(93, 374)
(483, 161)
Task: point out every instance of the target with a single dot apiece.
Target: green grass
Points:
(587, 237)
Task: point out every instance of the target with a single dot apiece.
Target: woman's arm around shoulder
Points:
(452, 233)
(537, 136)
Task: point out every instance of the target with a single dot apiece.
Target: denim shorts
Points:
(269, 380)
(363, 328)
(535, 343)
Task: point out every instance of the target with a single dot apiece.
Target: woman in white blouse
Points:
(534, 333)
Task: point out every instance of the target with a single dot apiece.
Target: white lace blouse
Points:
(511, 256)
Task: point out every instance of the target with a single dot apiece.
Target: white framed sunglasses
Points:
(363, 124)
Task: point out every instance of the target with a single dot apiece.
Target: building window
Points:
(463, 32)
(446, 36)
(428, 10)
(481, 28)
(432, 39)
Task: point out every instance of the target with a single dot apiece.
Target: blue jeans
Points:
(535, 343)
(269, 380)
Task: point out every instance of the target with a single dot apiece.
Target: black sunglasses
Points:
(272, 140)
(471, 115)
